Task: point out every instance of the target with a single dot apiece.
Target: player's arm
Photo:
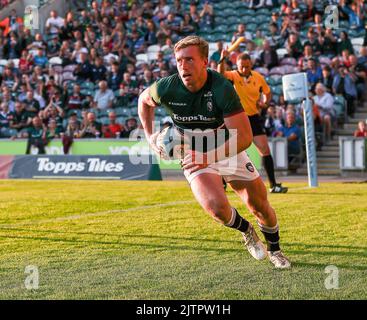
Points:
(146, 107)
(265, 95)
(240, 137)
(221, 68)
(264, 100)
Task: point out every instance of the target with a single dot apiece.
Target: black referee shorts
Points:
(257, 125)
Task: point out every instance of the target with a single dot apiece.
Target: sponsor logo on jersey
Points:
(177, 103)
(250, 167)
(198, 117)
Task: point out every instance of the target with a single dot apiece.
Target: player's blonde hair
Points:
(193, 41)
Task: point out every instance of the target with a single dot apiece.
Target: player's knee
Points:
(217, 209)
(257, 206)
(264, 150)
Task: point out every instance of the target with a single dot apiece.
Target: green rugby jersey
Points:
(205, 109)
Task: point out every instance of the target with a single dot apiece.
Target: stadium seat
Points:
(343, 24)
(275, 98)
(69, 68)
(287, 69)
(218, 36)
(3, 62)
(288, 61)
(77, 111)
(264, 11)
(121, 120)
(263, 71)
(276, 90)
(229, 11)
(87, 85)
(142, 57)
(16, 63)
(276, 71)
(324, 60)
(251, 27)
(281, 52)
(220, 20)
(270, 81)
(212, 46)
(357, 41)
(220, 6)
(57, 68)
(55, 61)
(154, 48)
(119, 111)
(104, 120)
(357, 48)
(68, 76)
(277, 79)
(340, 108)
(221, 28)
(151, 56)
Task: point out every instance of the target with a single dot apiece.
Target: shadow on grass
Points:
(322, 266)
(194, 247)
(333, 246)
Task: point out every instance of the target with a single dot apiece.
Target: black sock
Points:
(269, 168)
(237, 222)
(271, 235)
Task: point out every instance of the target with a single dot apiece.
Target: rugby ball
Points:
(169, 142)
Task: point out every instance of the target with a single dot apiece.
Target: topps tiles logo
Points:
(90, 165)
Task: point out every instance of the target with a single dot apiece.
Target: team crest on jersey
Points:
(250, 167)
(209, 104)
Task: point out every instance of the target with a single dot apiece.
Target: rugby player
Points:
(199, 98)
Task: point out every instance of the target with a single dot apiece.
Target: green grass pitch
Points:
(151, 240)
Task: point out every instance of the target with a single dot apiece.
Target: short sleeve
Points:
(229, 101)
(153, 92)
(229, 75)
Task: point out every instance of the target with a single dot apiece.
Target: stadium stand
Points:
(130, 44)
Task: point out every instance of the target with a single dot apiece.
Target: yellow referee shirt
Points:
(249, 89)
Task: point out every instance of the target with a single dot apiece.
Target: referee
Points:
(255, 95)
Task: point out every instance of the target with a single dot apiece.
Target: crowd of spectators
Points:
(75, 79)
(335, 70)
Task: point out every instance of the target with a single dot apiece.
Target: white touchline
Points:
(94, 214)
(107, 212)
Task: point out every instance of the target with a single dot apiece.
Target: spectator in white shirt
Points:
(78, 50)
(324, 101)
(54, 23)
(104, 97)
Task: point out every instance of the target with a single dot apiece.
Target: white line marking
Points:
(107, 212)
(94, 214)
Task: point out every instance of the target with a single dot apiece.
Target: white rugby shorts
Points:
(238, 167)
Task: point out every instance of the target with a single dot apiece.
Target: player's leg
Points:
(208, 191)
(261, 143)
(253, 193)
